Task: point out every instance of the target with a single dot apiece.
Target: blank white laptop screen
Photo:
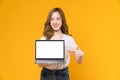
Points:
(49, 50)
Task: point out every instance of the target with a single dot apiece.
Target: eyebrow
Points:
(57, 18)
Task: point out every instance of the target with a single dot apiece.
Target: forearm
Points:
(42, 65)
(79, 56)
(80, 59)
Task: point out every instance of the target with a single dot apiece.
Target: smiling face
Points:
(56, 21)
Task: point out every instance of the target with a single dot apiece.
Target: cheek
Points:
(60, 22)
(51, 23)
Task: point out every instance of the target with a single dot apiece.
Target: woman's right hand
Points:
(42, 65)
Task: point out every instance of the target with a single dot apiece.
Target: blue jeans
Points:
(47, 74)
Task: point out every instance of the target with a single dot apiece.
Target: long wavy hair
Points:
(48, 30)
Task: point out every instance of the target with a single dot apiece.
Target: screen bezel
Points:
(51, 58)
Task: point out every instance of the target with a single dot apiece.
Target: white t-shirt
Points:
(70, 45)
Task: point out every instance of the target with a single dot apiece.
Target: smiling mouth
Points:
(55, 26)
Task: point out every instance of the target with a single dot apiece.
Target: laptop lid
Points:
(47, 51)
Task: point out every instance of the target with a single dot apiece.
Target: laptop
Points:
(49, 51)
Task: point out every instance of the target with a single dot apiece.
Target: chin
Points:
(56, 29)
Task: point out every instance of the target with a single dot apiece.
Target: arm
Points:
(79, 55)
(42, 65)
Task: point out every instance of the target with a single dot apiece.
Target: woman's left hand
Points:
(79, 55)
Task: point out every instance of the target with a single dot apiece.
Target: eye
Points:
(58, 18)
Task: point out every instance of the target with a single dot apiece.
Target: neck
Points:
(57, 33)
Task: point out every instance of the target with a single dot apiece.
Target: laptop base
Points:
(48, 61)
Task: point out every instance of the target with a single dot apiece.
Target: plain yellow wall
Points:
(94, 24)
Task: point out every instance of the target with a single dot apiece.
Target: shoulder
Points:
(67, 36)
(43, 38)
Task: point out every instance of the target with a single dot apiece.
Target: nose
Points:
(55, 21)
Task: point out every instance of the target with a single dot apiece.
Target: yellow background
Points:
(94, 24)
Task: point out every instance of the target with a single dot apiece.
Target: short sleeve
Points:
(71, 44)
(43, 38)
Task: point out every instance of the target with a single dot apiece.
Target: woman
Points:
(57, 29)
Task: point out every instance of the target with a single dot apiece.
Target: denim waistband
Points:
(57, 70)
